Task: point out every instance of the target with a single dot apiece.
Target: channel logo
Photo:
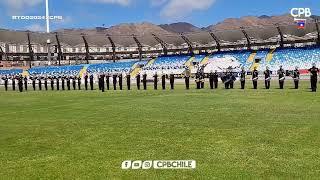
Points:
(158, 164)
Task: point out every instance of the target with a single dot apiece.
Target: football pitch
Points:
(231, 134)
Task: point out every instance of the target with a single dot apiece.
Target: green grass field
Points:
(232, 134)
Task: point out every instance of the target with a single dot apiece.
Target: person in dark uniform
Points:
(40, 83)
(172, 81)
(108, 81)
(5, 79)
(74, 82)
(144, 81)
(128, 76)
(58, 82)
(267, 78)
(52, 82)
(215, 79)
(68, 82)
(13, 80)
(138, 80)
(314, 77)
(62, 79)
(20, 83)
(232, 79)
(114, 77)
(226, 80)
(102, 82)
(243, 74)
(198, 80)
(91, 81)
(255, 77)
(163, 79)
(211, 79)
(281, 74)
(120, 81)
(86, 82)
(296, 77)
(187, 78)
(25, 79)
(79, 82)
(46, 83)
(202, 77)
(155, 81)
(33, 78)
(99, 82)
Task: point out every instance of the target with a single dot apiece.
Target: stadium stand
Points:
(289, 58)
(11, 72)
(56, 70)
(167, 65)
(118, 67)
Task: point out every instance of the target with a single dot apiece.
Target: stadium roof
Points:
(202, 38)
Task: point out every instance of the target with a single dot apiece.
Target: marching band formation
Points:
(228, 78)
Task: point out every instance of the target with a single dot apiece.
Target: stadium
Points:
(90, 130)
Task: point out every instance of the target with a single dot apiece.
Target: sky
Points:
(97, 13)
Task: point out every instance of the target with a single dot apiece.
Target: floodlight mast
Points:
(47, 16)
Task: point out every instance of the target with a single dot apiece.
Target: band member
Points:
(198, 80)
(243, 74)
(187, 78)
(46, 83)
(99, 81)
(282, 78)
(102, 82)
(25, 79)
(128, 76)
(211, 79)
(13, 80)
(296, 77)
(114, 81)
(79, 82)
(226, 80)
(138, 81)
(62, 83)
(108, 81)
(5, 79)
(91, 81)
(215, 79)
(255, 77)
(68, 82)
(314, 77)
(267, 78)
(163, 79)
(20, 83)
(232, 79)
(144, 81)
(58, 82)
(33, 82)
(86, 81)
(74, 79)
(120, 81)
(155, 81)
(52, 82)
(40, 83)
(172, 81)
